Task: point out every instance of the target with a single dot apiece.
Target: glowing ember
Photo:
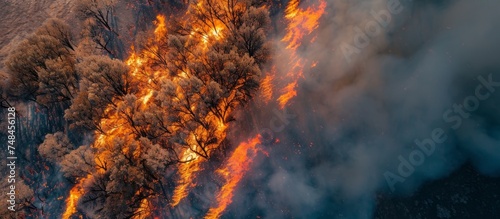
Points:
(233, 171)
(314, 64)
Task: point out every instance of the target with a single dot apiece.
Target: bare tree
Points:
(100, 25)
(4, 98)
(59, 30)
(99, 10)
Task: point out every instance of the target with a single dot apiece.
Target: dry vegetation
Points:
(21, 18)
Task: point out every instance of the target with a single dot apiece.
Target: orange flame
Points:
(191, 162)
(290, 93)
(234, 170)
(301, 22)
(113, 126)
(161, 27)
(143, 211)
(74, 195)
(266, 87)
(187, 172)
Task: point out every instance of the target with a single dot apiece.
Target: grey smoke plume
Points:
(356, 118)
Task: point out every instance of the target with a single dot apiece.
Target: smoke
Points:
(359, 118)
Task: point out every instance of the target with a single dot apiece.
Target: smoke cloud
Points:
(356, 118)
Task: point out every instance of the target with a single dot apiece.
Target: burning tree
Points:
(103, 82)
(156, 117)
(169, 110)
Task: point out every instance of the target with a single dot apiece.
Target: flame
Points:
(213, 33)
(147, 97)
(187, 169)
(212, 28)
(143, 211)
(116, 128)
(113, 127)
(190, 165)
(266, 87)
(161, 27)
(233, 171)
(191, 162)
(74, 195)
(289, 93)
(301, 22)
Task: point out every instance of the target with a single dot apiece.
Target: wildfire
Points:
(301, 22)
(113, 128)
(143, 211)
(191, 162)
(190, 165)
(266, 87)
(72, 200)
(144, 77)
(233, 171)
(187, 170)
(289, 93)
